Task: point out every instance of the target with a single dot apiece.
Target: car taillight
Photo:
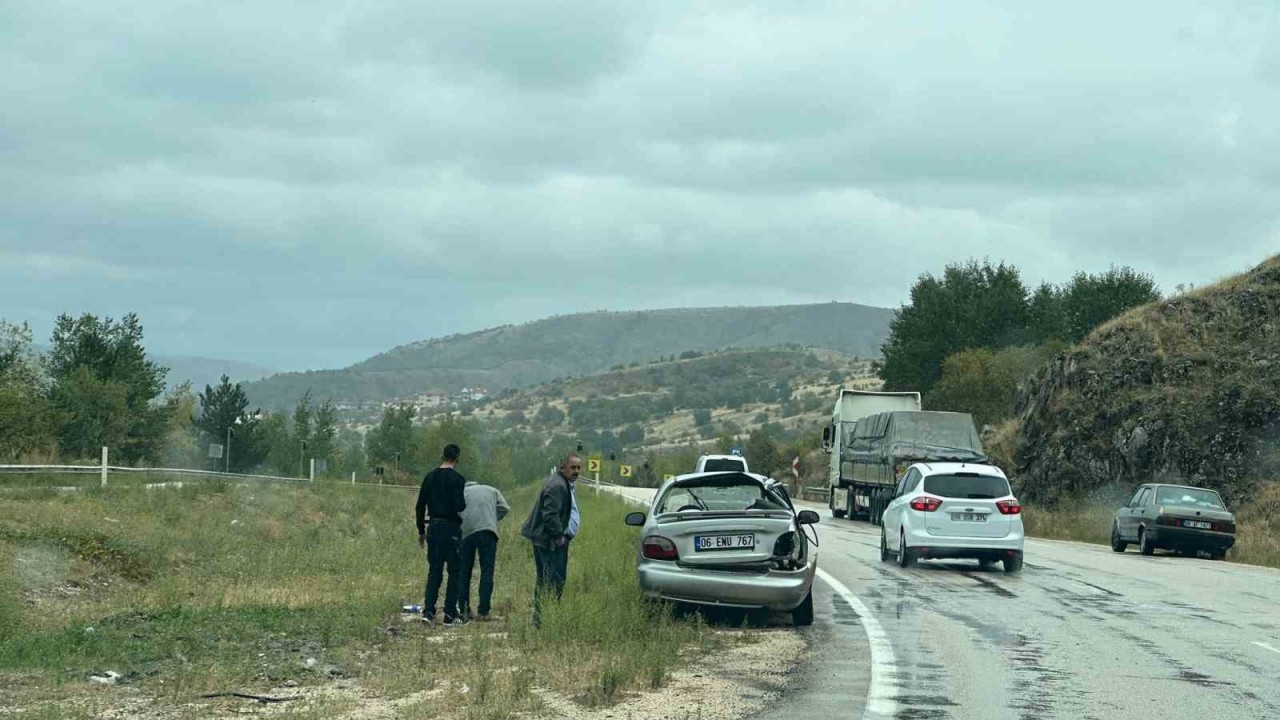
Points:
(656, 547)
(1008, 507)
(926, 504)
(1167, 520)
(1225, 526)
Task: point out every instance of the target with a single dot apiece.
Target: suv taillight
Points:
(656, 547)
(925, 503)
(1008, 507)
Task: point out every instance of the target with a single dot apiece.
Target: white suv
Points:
(953, 510)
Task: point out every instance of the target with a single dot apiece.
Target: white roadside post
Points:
(353, 477)
(313, 469)
(104, 466)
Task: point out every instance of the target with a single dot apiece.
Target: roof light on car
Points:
(1008, 507)
(656, 547)
(926, 503)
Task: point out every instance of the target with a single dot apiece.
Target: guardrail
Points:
(104, 471)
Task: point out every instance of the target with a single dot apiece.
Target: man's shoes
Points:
(455, 621)
(429, 619)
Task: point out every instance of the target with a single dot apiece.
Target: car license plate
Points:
(724, 542)
(1198, 524)
(968, 517)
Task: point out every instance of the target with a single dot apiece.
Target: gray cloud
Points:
(304, 184)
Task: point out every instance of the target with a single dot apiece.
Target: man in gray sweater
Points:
(485, 507)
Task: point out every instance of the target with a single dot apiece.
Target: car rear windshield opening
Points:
(720, 496)
(969, 487)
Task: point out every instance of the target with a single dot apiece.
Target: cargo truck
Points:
(874, 436)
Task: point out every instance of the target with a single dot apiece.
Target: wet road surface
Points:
(1081, 632)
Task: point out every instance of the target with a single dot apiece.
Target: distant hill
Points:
(517, 356)
(689, 400)
(199, 371)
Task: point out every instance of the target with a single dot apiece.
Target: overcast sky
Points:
(306, 184)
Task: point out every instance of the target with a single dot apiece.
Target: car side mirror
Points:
(807, 517)
(636, 519)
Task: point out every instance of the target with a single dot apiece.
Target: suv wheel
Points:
(1013, 563)
(1116, 543)
(1144, 543)
(906, 557)
(884, 546)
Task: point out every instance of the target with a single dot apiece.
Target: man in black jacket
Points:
(441, 500)
(552, 524)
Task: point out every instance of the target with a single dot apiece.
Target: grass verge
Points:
(216, 587)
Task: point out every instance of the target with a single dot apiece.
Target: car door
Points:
(1134, 515)
(1124, 515)
(1145, 513)
(892, 518)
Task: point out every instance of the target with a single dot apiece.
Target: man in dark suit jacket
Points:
(552, 524)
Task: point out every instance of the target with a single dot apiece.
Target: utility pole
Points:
(302, 460)
(226, 454)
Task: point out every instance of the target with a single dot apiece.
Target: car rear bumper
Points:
(776, 590)
(939, 546)
(1176, 538)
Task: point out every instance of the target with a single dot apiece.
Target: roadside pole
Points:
(104, 466)
(353, 477)
(312, 477)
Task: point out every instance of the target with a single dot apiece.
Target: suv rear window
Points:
(723, 465)
(969, 487)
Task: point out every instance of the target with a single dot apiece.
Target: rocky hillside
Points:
(1184, 390)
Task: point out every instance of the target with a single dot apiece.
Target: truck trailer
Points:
(874, 436)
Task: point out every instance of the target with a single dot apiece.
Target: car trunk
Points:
(968, 518)
(743, 539)
(1189, 517)
(968, 506)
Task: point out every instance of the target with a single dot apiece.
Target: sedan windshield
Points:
(720, 496)
(1189, 497)
(968, 486)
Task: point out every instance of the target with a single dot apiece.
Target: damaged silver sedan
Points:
(728, 539)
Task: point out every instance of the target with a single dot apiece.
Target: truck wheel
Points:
(876, 507)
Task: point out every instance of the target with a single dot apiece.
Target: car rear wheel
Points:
(802, 616)
(1144, 543)
(906, 558)
(1013, 563)
(884, 546)
(1116, 543)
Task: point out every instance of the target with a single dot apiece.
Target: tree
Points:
(972, 305)
(302, 414)
(101, 355)
(701, 417)
(392, 437)
(1091, 300)
(325, 432)
(26, 415)
(762, 450)
(982, 382)
(224, 414)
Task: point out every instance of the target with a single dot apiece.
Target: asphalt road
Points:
(1081, 632)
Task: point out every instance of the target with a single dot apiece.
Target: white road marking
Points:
(881, 700)
(1266, 647)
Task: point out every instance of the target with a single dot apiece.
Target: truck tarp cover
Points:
(920, 436)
